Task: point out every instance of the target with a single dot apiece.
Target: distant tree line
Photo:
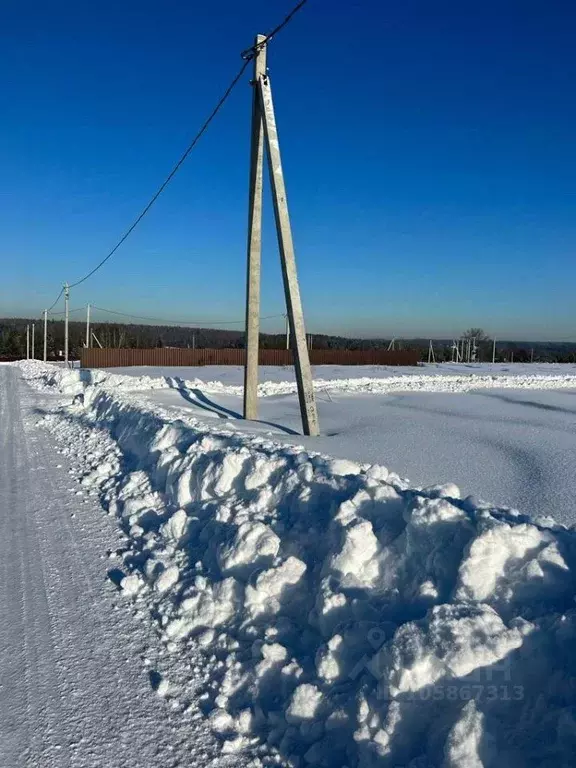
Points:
(120, 335)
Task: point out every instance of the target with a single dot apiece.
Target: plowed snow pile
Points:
(75, 380)
(345, 617)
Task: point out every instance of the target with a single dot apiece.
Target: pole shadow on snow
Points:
(530, 403)
(198, 398)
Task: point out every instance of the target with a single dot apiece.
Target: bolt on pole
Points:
(288, 262)
(45, 356)
(66, 319)
(254, 240)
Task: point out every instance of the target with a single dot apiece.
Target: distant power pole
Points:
(264, 122)
(96, 340)
(392, 345)
(27, 342)
(493, 351)
(66, 319)
(431, 356)
(33, 341)
(532, 355)
(45, 357)
(88, 326)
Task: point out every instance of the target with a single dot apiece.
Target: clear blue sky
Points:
(429, 151)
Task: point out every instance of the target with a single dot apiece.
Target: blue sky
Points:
(428, 149)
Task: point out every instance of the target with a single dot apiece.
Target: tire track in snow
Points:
(33, 721)
(74, 691)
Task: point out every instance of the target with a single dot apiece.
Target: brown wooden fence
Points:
(114, 358)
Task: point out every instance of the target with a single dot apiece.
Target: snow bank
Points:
(72, 381)
(345, 618)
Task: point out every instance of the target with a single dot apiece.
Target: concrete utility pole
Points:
(45, 356)
(288, 262)
(96, 340)
(431, 356)
(33, 341)
(88, 326)
(27, 342)
(493, 351)
(254, 240)
(66, 319)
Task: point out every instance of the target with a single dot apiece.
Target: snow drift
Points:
(345, 617)
(75, 380)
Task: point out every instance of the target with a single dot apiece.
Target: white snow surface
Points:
(515, 446)
(279, 380)
(343, 616)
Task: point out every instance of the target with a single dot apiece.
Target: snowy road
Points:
(74, 688)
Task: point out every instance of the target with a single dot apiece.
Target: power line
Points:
(70, 311)
(57, 300)
(249, 53)
(169, 178)
(178, 322)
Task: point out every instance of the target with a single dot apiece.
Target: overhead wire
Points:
(70, 311)
(57, 300)
(247, 56)
(177, 322)
(168, 179)
(249, 53)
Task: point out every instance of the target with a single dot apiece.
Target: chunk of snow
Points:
(304, 703)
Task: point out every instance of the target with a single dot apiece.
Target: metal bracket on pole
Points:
(254, 241)
(288, 262)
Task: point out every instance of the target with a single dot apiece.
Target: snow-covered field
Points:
(322, 611)
(279, 380)
(506, 433)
